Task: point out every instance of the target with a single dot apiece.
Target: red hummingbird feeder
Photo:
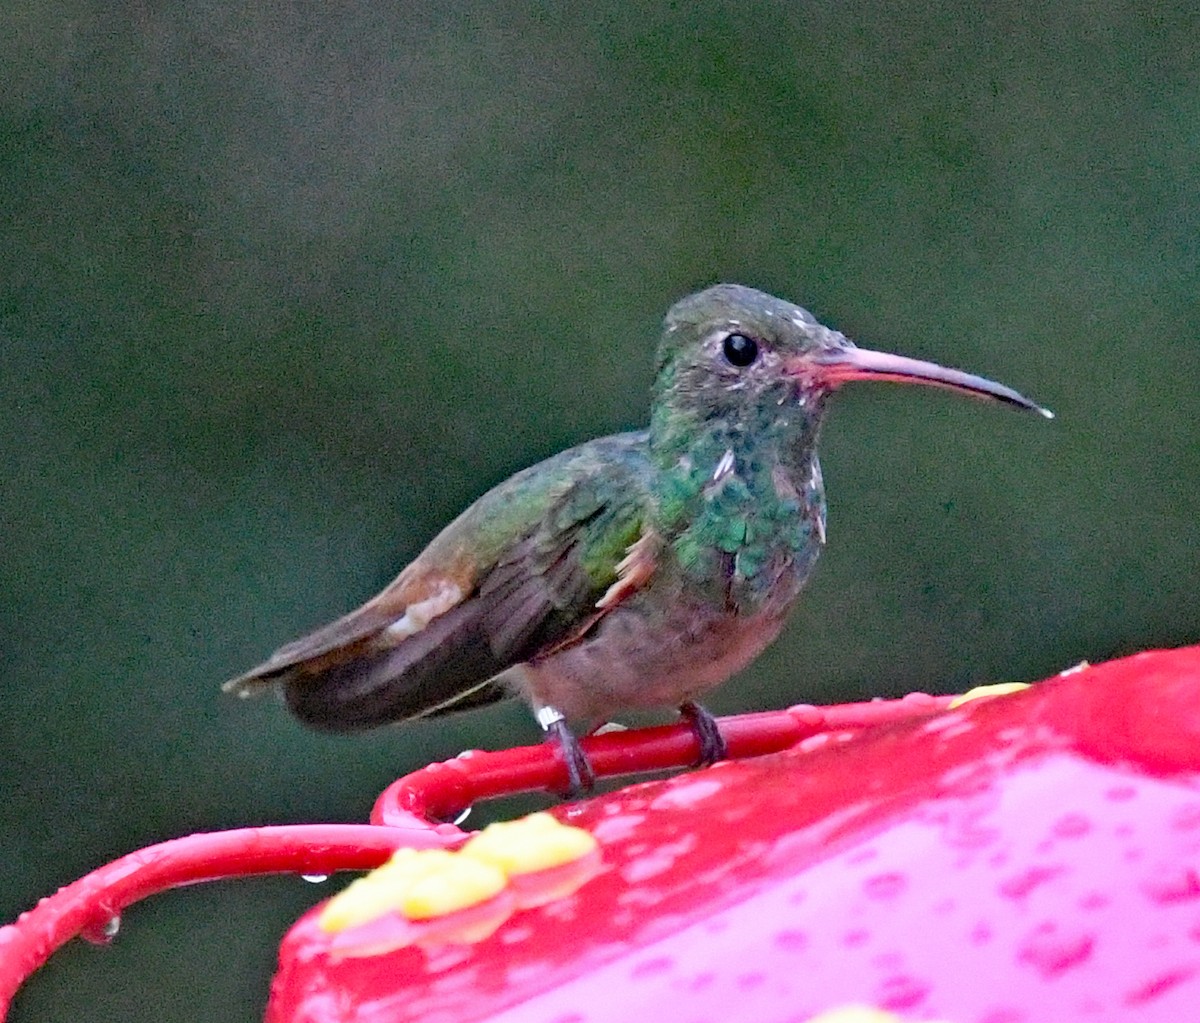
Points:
(1022, 857)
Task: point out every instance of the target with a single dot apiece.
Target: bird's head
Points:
(746, 358)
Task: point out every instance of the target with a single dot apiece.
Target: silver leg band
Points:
(548, 717)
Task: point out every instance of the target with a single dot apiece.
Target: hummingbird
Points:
(638, 570)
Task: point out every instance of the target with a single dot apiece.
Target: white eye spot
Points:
(725, 467)
(816, 490)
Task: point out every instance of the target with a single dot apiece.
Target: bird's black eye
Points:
(740, 350)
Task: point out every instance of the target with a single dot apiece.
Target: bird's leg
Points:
(581, 777)
(712, 743)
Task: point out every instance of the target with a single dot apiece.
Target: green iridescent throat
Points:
(737, 497)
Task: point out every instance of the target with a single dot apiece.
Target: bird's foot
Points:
(581, 779)
(712, 743)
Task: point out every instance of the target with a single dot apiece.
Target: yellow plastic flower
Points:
(980, 692)
(536, 842)
(417, 883)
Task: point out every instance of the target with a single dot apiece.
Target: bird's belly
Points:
(634, 660)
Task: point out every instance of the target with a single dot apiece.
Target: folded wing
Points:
(520, 572)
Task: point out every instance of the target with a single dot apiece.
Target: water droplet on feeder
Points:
(102, 934)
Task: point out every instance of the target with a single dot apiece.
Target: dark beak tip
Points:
(842, 365)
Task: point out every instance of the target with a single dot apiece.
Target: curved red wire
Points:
(443, 791)
(89, 905)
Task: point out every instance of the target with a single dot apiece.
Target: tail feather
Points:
(447, 666)
(336, 641)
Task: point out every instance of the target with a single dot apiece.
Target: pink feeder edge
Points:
(1016, 859)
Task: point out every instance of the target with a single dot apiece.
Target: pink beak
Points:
(835, 366)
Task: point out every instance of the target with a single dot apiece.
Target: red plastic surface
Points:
(92, 905)
(1026, 858)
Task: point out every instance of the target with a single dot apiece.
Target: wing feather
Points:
(519, 572)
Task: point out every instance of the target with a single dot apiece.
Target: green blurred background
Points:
(282, 287)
